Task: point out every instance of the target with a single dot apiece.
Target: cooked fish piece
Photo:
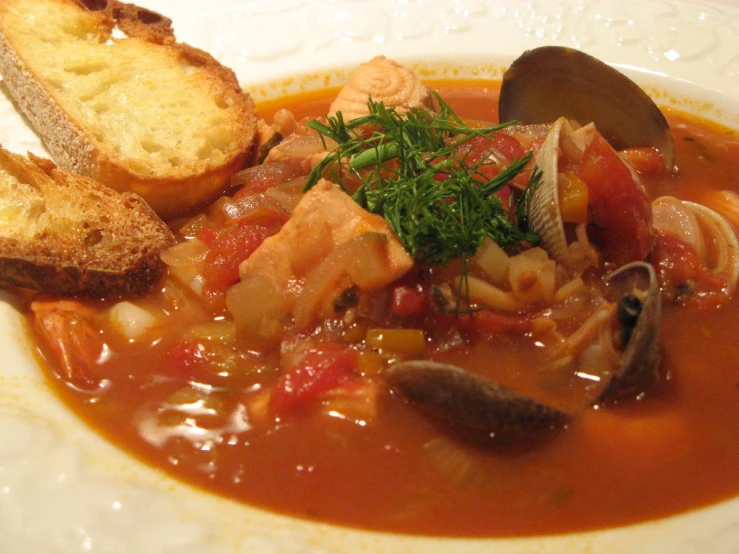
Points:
(383, 80)
(328, 244)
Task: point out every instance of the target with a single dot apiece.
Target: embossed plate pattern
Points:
(64, 490)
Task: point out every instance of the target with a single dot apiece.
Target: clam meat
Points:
(475, 403)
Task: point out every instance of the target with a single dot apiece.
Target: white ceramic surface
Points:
(64, 490)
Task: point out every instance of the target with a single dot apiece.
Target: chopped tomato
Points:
(408, 301)
(229, 247)
(187, 356)
(499, 144)
(324, 367)
(501, 147)
(684, 279)
(619, 208)
(646, 161)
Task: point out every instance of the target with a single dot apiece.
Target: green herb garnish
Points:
(408, 169)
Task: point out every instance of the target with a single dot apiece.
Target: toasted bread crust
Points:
(75, 146)
(112, 249)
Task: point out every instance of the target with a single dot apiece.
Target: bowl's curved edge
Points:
(64, 489)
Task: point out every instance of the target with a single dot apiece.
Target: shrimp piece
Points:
(67, 329)
(383, 80)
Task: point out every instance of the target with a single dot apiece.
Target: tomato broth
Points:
(391, 468)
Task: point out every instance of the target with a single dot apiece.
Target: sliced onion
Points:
(364, 259)
(260, 308)
(288, 194)
(493, 260)
(300, 147)
(532, 276)
(189, 253)
(275, 172)
(190, 277)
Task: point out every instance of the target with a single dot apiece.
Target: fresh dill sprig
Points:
(409, 170)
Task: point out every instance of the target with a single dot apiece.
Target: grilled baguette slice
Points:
(139, 113)
(67, 234)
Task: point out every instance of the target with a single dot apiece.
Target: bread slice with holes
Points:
(115, 97)
(67, 234)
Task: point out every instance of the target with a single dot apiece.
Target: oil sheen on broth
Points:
(188, 398)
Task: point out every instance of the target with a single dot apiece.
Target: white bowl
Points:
(63, 489)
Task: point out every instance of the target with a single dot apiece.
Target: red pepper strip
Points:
(324, 367)
(485, 322)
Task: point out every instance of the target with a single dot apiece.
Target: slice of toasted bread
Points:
(138, 113)
(67, 234)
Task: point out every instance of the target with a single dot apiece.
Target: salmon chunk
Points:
(383, 80)
(329, 244)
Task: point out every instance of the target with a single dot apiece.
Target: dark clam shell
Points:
(549, 82)
(639, 365)
(470, 401)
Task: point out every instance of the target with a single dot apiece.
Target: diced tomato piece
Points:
(499, 144)
(619, 208)
(187, 356)
(228, 248)
(502, 147)
(646, 161)
(324, 367)
(208, 234)
(505, 194)
(684, 279)
(408, 301)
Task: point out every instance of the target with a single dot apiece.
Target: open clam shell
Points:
(543, 207)
(472, 402)
(553, 81)
(639, 363)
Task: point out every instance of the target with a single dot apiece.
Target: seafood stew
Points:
(319, 349)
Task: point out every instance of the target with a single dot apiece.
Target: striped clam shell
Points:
(639, 364)
(543, 207)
